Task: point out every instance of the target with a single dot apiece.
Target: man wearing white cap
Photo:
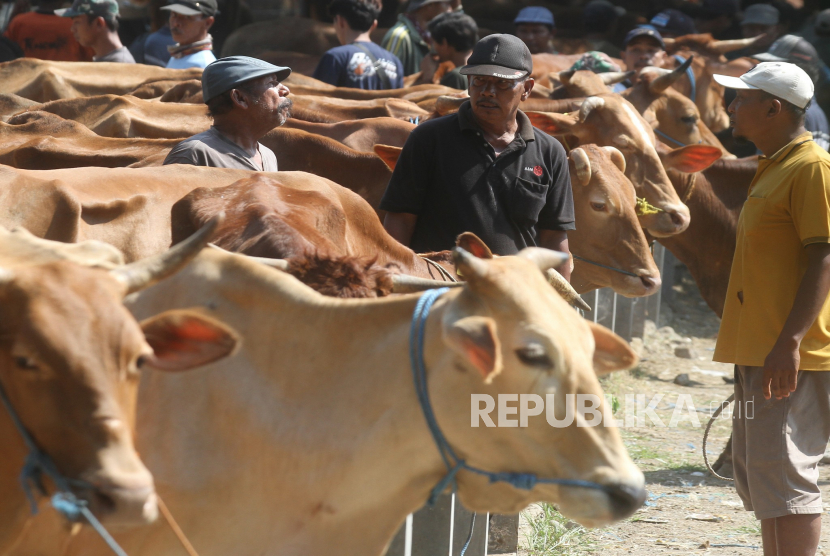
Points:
(776, 319)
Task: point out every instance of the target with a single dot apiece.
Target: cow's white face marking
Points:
(648, 140)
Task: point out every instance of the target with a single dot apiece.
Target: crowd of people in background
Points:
(436, 38)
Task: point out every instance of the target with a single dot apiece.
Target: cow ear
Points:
(183, 339)
(691, 158)
(611, 353)
(403, 109)
(553, 123)
(472, 243)
(474, 339)
(389, 155)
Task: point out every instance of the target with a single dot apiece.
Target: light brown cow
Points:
(44, 141)
(608, 119)
(45, 80)
(70, 360)
(360, 135)
(319, 475)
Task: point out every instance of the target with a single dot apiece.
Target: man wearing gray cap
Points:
(484, 169)
(246, 99)
(758, 19)
(408, 39)
(776, 319)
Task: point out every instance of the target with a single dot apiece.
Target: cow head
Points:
(610, 120)
(607, 229)
(70, 357)
(509, 333)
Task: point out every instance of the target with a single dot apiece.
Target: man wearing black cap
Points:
(190, 21)
(246, 99)
(484, 169)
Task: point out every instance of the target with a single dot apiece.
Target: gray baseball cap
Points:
(226, 73)
(760, 14)
(503, 56)
(418, 4)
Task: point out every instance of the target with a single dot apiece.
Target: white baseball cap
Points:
(780, 79)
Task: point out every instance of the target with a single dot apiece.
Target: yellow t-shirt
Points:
(788, 208)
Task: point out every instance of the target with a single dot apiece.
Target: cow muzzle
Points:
(601, 507)
(126, 501)
(672, 220)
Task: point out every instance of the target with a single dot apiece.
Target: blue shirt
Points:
(349, 66)
(199, 59)
(155, 47)
(815, 121)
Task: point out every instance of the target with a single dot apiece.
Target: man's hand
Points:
(558, 241)
(781, 370)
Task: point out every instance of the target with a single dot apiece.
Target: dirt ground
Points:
(688, 510)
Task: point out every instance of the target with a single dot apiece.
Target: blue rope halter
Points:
(37, 464)
(691, 75)
(454, 464)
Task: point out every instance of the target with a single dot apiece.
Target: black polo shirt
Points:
(450, 176)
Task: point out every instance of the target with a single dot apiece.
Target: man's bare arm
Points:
(781, 365)
(558, 241)
(400, 225)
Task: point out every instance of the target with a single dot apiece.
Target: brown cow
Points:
(44, 80)
(360, 135)
(70, 360)
(44, 141)
(608, 119)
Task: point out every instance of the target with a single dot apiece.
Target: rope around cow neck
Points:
(621, 271)
(441, 270)
(453, 463)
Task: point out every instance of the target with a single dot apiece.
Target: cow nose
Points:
(625, 499)
(125, 506)
(651, 283)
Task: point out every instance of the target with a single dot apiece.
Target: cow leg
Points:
(723, 465)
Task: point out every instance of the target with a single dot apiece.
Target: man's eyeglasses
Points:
(501, 84)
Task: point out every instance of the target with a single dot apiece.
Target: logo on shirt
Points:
(360, 67)
(537, 170)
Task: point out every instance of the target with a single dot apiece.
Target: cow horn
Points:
(144, 273)
(564, 288)
(403, 283)
(279, 264)
(590, 103)
(468, 265)
(665, 81)
(565, 76)
(582, 165)
(616, 157)
(722, 47)
(614, 77)
(543, 258)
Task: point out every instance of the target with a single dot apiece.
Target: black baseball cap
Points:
(644, 31)
(795, 50)
(193, 7)
(503, 56)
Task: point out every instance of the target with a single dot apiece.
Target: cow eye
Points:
(534, 355)
(599, 207)
(691, 120)
(26, 364)
(139, 363)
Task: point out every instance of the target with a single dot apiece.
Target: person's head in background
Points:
(795, 50)
(536, 28)
(190, 20)
(94, 24)
(353, 18)
(600, 19)
(453, 37)
(424, 11)
(714, 16)
(761, 19)
(643, 47)
(673, 23)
